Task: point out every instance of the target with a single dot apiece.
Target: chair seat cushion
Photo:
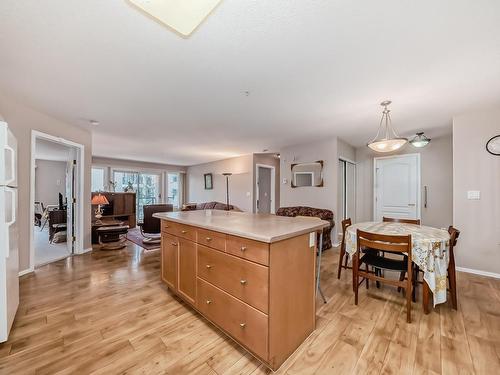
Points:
(372, 259)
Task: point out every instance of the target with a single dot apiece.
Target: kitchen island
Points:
(251, 275)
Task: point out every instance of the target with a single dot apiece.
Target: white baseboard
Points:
(479, 272)
(26, 271)
(86, 250)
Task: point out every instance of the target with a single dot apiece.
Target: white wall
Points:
(50, 180)
(240, 183)
(436, 173)
(318, 197)
(22, 120)
(475, 169)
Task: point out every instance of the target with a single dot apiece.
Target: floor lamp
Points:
(227, 174)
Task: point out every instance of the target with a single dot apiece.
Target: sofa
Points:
(323, 214)
(207, 206)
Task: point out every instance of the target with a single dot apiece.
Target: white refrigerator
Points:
(9, 236)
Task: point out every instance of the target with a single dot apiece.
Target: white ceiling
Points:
(313, 69)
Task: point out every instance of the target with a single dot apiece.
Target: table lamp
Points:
(99, 200)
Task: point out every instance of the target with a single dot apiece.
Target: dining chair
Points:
(343, 258)
(403, 221)
(395, 244)
(452, 274)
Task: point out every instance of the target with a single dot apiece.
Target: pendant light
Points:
(389, 140)
(420, 140)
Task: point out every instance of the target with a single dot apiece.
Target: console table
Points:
(251, 275)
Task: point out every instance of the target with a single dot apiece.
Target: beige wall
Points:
(240, 183)
(273, 161)
(50, 180)
(318, 197)
(135, 165)
(475, 169)
(22, 120)
(436, 174)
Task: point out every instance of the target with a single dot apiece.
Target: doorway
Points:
(265, 189)
(397, 187)
(347, 189)
(56, 193)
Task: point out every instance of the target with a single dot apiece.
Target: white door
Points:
(9, 259)
(397, 187)
(264, 190)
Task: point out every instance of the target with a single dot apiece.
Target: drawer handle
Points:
(208, 266)
(173, 244)
(208, 239)
(243, 325)
(167, 226)
(183, 231)
(243, 282)
(208, 302)
(243, 248)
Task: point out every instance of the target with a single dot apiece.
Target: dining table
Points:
(430, 252)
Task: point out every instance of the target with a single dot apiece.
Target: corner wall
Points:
(240, 183)
(22, 120)
(478, 247)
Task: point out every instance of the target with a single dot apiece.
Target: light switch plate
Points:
(312, 239)
(474, 194)
(285, 181)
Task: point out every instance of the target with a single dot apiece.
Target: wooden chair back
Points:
(345, 224)
(404, 221)
(454, 234)
(383, 242)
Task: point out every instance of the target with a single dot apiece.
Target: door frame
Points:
(419, 181)
(79, 193)
(273, 186)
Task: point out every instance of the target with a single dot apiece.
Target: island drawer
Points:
(244, 323)
(248, 249)
(245, 280)
(180, 230)
(211, 238)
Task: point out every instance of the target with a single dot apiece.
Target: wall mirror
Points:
(307, 174)
(493, 145)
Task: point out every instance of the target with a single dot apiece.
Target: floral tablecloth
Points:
(430, 250)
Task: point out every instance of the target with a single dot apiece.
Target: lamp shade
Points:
(99, 199)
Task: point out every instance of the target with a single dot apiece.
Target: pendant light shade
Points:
(386, 140)
(420, 140)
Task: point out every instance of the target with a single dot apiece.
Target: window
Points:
(97, 179)
(145, 185)
(173, 189)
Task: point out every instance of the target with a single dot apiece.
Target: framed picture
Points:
(209, 185)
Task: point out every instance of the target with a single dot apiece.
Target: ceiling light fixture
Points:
(94, 122)
(390, 140)
(183, 16)
(420, 140)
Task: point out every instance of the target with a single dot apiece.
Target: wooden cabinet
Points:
(187, 269)
(261, 294)
(169, 259)
(121, 207)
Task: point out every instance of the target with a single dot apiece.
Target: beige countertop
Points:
(259, 227)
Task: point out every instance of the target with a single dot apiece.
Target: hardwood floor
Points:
(108, 313)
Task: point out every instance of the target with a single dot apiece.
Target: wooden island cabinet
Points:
(251, 275)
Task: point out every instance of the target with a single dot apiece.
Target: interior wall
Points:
(273, 161)
(240, 183)
(318, 197)
(436, 173)
(50, 180)
(478, 247)
(22, 120)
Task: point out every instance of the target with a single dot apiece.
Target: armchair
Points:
(151, 226)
